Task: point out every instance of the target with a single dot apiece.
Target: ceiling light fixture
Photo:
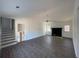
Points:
(17, 7)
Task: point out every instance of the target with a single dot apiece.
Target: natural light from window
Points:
(67, 28)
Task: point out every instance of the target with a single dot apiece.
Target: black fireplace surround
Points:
(57, 32)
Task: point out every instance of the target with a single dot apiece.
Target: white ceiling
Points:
(59, 10)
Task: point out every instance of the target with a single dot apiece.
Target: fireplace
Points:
(57, 32)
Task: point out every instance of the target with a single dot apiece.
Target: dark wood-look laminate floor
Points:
(42, 47)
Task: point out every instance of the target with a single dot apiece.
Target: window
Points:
(67, 28)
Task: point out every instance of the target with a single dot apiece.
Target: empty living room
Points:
(39, 28)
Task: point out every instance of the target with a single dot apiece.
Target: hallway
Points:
(42, 47)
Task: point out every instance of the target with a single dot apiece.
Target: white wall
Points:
(32, 28)
(47, 28)
(76, 28)
(56, 24)
(59, 24)
(51, 24)
(35, 28)
(70, 33)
